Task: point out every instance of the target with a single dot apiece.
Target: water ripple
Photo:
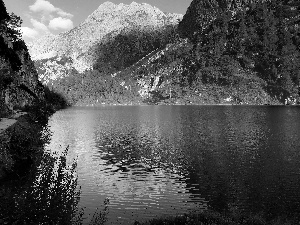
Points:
(166, 160)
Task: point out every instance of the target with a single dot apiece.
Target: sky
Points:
(55, 16)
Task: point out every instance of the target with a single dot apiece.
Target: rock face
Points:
(198, 15)
(19, 87)
(19, 84)
(102, 25)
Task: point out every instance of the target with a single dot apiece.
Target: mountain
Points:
(81, 46)
(221, 52)
(238, 52)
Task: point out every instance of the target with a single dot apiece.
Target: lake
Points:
(152, 161)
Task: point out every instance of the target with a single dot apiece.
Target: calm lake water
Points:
(151, 161)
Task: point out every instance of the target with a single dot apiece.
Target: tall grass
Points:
(51, 195)
(215, 218)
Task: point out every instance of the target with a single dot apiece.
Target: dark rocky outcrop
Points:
(19, 84)
(20, 143)
(199, 14)
(19, 89)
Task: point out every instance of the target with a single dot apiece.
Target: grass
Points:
(215, 218)
(50, 195)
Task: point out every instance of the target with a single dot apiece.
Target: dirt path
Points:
(5, 123)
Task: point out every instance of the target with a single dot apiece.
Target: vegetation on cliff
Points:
(20, 87)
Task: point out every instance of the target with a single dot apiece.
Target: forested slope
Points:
(261, 38)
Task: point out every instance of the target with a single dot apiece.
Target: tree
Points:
(13, 24)
(7, 36)
(3, 12)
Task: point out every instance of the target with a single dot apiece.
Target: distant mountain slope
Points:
(172, 76)
(104, 24)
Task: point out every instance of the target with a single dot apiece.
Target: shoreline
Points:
(20, 139)
(175, 104)
(19, 144)
(190, 100)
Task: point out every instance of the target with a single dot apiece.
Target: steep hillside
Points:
(259, 36)
(20, 89)
(19, 85)
(171, 76)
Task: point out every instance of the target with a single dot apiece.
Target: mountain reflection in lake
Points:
(152, 161)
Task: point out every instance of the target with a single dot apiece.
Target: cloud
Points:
(61, 23)
(29, 32)
(42, 6)
(46, 18)
(43, 13)
(64, 14)
(38, 25)
(46, 8)
(37, 30)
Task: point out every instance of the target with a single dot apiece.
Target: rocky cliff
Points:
(19, 89)
(19, 84)
(80, 46)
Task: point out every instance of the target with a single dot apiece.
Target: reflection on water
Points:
(165, 160)
(48, 194)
